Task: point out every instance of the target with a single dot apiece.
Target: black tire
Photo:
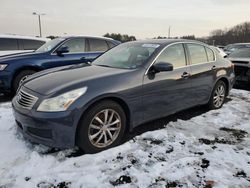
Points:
(19, 77)
(211, 104)
(83, 140)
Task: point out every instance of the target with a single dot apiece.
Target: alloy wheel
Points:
(104, 128)
(219, 96)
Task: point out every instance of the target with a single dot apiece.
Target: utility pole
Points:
(39, 22)
(169, 31)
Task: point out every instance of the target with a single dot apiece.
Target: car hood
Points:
(55, 80)
(19, 56)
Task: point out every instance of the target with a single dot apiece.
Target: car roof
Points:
(23, 37)
(86, 36)
(167, 41)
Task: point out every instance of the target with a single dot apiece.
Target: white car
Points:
(12, 44)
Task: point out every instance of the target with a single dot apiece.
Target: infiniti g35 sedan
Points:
(93, 105)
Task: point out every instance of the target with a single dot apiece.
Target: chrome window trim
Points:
(183, 42)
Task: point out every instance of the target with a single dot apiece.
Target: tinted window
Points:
(197, 53)
(210, 54)
(174, 54)
(75, 45)
(97, 45)
(8, 44)
(27, 44)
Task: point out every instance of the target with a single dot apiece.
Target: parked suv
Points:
(58, 52)
(12, 44)
(93, 106)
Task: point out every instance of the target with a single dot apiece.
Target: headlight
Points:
(61, 102)
(3, 66)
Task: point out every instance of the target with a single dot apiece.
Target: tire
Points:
(91, 130)
(218, 96)
(20, 77)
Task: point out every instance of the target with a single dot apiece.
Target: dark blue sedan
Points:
(14, 69)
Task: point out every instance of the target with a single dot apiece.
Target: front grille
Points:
(25, 100)
(240, 62)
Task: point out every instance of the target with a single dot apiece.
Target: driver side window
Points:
(75, 45)
(174, 54)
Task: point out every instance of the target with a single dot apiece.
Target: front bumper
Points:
(51, 129)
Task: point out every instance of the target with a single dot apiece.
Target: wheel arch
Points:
(116, 99)
(17, 71)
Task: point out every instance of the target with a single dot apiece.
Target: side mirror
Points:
(162, 67)
(62, 50)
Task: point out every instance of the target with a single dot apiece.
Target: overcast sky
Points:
(142, 18)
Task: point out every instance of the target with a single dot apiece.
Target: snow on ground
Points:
(210, 150)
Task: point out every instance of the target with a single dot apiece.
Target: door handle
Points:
(213, 67)
(82, 58)
(185, 75)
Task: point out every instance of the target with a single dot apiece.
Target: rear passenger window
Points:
(97, 45)
(210, 54)
(197, 53)
(8, 44)
(27, 44)
(174, 54)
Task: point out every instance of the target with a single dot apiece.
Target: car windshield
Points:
(49, 45)
(243, 53)
(127, 55)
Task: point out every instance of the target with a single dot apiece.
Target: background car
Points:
(58, 52)
(241, 61)
(12, 44)
(233, 47)
(136, 82)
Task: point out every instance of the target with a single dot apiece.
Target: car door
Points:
(77, 53)
(203, 68)
(167, 92)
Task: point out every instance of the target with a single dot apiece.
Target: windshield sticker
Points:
(150, 45)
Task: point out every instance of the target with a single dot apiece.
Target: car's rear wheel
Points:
(218, 95)
(20, 78)
(102, 127)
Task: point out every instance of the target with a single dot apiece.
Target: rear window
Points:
(8, 44)
(97, 45)
(27, 44)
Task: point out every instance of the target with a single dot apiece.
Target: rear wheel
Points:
(102, 127)
(20, 78)
(218, 95)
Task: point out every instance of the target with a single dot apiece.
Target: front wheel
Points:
(218, 95)
(102, 127)
(20, 78)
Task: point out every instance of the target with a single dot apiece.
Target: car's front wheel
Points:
(218, 95)
(20, 78)
(101, 127)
